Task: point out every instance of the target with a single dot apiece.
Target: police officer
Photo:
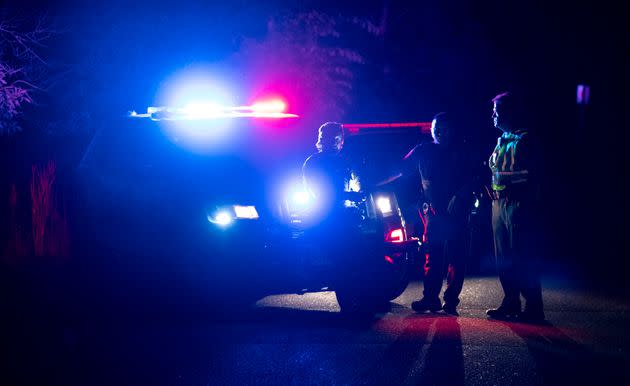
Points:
(444, 171)
(327, 174)
(514, 191)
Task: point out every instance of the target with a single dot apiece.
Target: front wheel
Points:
(397, 288)
(384, 284)
(357, 302)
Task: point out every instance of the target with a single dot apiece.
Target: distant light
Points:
(222, 218)
(384, 205)
(476, 203)
(583, 94)
(389, 259)
(246, 212)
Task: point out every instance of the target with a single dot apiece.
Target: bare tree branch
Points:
(21, 68)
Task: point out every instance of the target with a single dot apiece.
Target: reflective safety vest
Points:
(507, 161)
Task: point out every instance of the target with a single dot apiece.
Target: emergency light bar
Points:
(356, 128)
(271, 109)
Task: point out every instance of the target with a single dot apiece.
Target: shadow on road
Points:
(427, 351)
(444, 361)
(561, 360)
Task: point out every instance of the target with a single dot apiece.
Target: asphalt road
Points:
(303, 339)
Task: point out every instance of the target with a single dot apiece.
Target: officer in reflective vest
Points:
(514, 192)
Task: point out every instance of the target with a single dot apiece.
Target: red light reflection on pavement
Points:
(420, 326)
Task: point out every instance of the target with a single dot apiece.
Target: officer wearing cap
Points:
(327, 174)
(444, 169)
(443, 166)
(514, 191)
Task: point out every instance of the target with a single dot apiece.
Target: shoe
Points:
(450, 309)
(503, 313)
(532, 317)
(424, 305)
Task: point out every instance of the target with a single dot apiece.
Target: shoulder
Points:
(313, 158)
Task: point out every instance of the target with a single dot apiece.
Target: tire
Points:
(398, 288)
(356, 302)
(387, 282)
(397, 282)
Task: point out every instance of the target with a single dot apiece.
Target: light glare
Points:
(301, 197)
(202, 110)
(222, 218)
(384, 205)
(272, 106)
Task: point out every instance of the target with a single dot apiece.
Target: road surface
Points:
(303, 339)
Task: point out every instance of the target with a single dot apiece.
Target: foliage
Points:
(21, 69)
(305, 55)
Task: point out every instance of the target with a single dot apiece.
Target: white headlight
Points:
(384, 205)
(222, 218)
(248, 212)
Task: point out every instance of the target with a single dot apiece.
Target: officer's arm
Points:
(409, 162)
(389, 179)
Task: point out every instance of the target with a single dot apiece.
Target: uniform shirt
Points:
(509, 162)
(327, 175)
(444, 171)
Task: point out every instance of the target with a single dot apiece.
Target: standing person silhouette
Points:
(515, 174)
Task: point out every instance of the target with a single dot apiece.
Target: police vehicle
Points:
(197, 205)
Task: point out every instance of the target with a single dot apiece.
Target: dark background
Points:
(433, 56)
